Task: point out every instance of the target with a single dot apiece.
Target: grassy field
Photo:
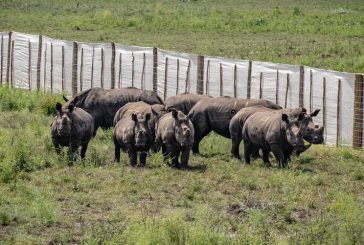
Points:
(325, 34)
(319, 199)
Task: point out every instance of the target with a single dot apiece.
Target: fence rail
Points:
(40, 63)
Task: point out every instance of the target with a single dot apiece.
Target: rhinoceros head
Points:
(142, 132)
(63, 122)
(311, 132)
(183, 132)
(293, 130)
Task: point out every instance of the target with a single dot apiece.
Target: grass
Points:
(323, 34)
(319, 199)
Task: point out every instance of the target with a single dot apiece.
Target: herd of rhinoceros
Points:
(143, 122)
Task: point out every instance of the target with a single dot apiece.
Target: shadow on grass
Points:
(201, 168)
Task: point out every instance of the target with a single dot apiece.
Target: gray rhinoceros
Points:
(311, 132)
(184, 102)
(102, 104)
(72, 127)
(175, 133)
(271, 131)
(132, 134)
(214, 114)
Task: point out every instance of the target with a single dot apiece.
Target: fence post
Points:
(187, 87)
(311, 96)
(249, 80)
(287, 88)
(132, 69)
(200, 73)
(74, 68)
(9, 59)
(338, 113)
(142, 79)
(81, 71)
(29, 65)
(2, 58)
(207, 89)
(235, 71)
(45, 68)
(324, 106)
(221, 81)
(261, 86)
(177, 79)
(155, 69)
(39, 60)
(302, 84)
(102, 68)
(165, 79)
(358, 112)
(51, 67)
(277, 88)
(12, 64)
(112, 65)
(92, 67)
(120, 71)
(63, 69)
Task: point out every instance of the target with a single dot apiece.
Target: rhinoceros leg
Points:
(235, 142)
(266, 157)
(58, 148)
(133, 157)
(174, 156)
(279, 155)
(248, 145)
(72, 152)
(117, 150)
(83, 150)
(143, 158)
(185, 155)
(199, 135)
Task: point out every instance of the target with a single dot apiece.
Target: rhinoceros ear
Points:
(313, 114)
(301, 116)
(174, 113)
(147, 117)
(58, 107)
(285, 118)
(71, 107)
(134, 117)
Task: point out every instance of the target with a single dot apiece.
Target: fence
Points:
(41, 63)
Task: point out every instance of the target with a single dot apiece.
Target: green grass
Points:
(323, 34)
(318, 199)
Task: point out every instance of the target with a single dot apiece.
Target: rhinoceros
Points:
(214, 114)
(72, 127)
(132, 134)
(311, 132)
(271, 131)
(102, 104)
(175, 134)
(142, 108)
(184, 102)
